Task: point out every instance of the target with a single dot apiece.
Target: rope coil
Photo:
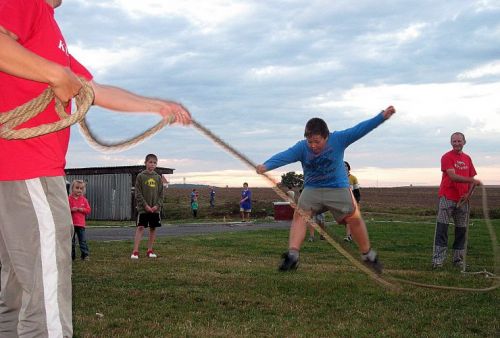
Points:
(12, 119)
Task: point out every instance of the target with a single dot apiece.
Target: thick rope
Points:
(335, 244)
(105, 146)
(301, 212)
(84, 100)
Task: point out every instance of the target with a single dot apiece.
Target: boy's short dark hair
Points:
(316, 126)
(347, 165)
(151, 156)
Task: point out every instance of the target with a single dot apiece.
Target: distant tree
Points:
(291, 179)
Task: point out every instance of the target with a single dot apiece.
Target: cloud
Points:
(425, 104)
(255, 72)
(206, 15)
(489, 69)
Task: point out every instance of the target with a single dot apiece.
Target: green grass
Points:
(226, 285)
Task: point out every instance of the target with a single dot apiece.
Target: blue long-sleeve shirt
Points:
(326, 169)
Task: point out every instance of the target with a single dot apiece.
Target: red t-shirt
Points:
(34, 24)
(462, 164)
(79, 216)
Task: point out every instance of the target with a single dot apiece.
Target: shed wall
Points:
(109, 195)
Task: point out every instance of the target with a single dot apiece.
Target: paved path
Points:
(127, 233)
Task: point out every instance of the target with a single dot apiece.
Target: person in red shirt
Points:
(35, 294)
(457, 178)
(80, 208)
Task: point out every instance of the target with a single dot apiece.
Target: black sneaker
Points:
(374, 264)
(288, 263)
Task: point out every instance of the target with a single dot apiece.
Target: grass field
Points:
(227, 285)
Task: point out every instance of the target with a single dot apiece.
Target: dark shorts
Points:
(148, 219)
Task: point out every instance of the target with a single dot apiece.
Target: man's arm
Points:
(461, 179)
(118, 99)
(20, 62)
(139, 197)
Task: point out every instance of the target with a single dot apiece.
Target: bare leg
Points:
(242, 216)
(297, 232)
(311, 231)
(139, 232)
(152, 238)
(358, 230)
(347, 230)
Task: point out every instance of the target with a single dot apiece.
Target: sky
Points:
(254, 72)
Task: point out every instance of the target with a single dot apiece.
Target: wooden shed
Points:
(110, 190)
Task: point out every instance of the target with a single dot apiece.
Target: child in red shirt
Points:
(79, 209)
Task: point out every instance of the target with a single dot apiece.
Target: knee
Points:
(441, 234)
(353, 219)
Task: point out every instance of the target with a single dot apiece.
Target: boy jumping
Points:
(326, 186)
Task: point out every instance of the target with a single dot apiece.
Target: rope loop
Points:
(11, 119)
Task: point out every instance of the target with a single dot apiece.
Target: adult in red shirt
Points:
(457, 179)
(35, 295)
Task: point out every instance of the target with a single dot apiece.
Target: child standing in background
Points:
(246, 203)
(194, 205)
(353, 183)
(149, 199)
(80, 208)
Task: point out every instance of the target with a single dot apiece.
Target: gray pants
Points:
(448, 210)
(35, 253)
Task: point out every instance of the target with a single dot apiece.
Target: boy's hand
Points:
(388, 112)
(261, 169)
(148, 208)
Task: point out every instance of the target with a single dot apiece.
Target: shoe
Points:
(322, 238)
(151, 254)
(348, 238)
(459, 264)
(371, 260)
(86, 258)
(437, 266)
(288, 263)
(135, 255)
(311, 239)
